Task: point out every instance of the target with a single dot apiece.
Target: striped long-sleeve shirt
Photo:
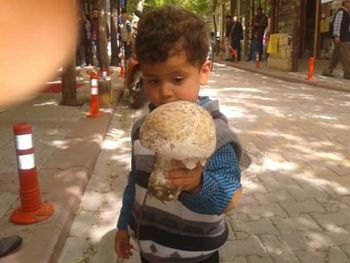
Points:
(221, 178)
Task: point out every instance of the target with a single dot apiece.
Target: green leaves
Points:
(203, 8)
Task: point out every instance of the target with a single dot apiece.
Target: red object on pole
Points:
(32, 210)
(311, 68)
(257, 61)
(122, 67)
(94, 99)
(234, 54)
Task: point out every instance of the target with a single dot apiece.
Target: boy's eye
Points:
(178, 80)
(152, 81)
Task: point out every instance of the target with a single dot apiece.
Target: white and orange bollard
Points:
(94, 99)
(310, 72)
(32, 210)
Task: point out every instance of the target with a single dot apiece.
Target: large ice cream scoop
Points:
(182, 131)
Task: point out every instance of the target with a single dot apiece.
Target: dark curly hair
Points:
(168, 30)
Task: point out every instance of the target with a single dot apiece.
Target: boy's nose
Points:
(166, 91)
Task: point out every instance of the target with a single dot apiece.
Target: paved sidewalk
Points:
(66, 145)
(295, 205)
(335, 83)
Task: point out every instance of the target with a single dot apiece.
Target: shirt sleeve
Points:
(337, 23)
(221, 178)
(128, 200)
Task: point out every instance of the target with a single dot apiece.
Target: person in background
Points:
(255, 47)
(84, 40)
(340, 31)
(236, 35)
(94, 36)
(259, 24)
(126, 35)
(228, 27)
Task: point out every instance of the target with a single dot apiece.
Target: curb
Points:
(64, 178)
(287, 77)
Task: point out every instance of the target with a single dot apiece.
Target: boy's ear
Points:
(204, 72)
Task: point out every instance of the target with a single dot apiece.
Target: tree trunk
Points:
(103, 35)
(69, 91)
(295, 39)
(114, 29)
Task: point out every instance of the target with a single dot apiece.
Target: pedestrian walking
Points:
(84, 40)
(236, 35)
(126, 35)
(340, 31)
(95, 36)
(228, 27)
(259, 24)
(173, 60)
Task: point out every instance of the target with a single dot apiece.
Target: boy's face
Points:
(173, 80)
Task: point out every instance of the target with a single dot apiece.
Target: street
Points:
(295, 205)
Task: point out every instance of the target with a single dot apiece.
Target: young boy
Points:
(172, 48)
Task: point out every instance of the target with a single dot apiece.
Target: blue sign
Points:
(122, 3)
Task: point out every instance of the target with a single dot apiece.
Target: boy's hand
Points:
(189, 180)
(122, 245)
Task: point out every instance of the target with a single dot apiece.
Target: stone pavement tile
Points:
(236, 215)
(296, 241)
(246, 199)
(309, 189)
(324, 240)
(259, 259)
(7, 200)
(269, 182)
(256, 212)
(336, 255)
(34, 245)
(346, 199)
(243, 247)
(277, 250)
(275, 197)
(340, 169)
(346, 249)
(105, 250)
(74, 247)
(259, 227)
(82, 224)
(226, 259)
(272, 245)
(311, 256)
(297, 208)
(252, 186)
(288, 225)
(331, 221)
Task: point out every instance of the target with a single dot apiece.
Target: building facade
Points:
(304, 22)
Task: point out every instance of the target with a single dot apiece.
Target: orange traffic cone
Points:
(32, 210)
(94, 100)
(122, 67)
(310, 72)
(257, 61)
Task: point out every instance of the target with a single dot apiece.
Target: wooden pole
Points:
(295, 39)
(317, 26)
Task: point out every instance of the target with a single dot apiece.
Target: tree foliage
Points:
(203, 8)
